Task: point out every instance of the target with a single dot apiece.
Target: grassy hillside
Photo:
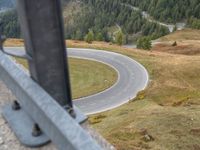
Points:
(188, 42)
(165, 116)
(186, 34)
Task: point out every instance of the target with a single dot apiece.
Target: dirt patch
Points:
(186, 47)
(185, 42)
(195, 131)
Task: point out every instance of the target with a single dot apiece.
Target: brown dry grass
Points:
(14, 42)
(186, 34)
(188, 42)
(188, 47)
(168, 109)
(165, 116)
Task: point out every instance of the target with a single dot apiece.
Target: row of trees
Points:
(142, 43)
(119, 37)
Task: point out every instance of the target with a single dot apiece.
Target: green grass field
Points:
(88, 77)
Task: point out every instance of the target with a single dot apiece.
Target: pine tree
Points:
(119, 38)
(144, 43)
(89, 37)
(175, 28)
(99, 37)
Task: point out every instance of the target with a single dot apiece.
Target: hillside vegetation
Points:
(165, 116)
(9, 24)
(168, 10)
(105, 14)
(99, 16)
(82, 16)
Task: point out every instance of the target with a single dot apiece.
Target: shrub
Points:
(144, 43)
(89, 37)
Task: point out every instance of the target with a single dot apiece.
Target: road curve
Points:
(132, 78)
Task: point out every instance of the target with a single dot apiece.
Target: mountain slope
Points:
(99, 16)
(168, 10)
(166, 115)
(102, 16)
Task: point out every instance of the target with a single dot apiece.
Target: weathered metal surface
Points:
(42, 29)
(20, 54)
(54, 121)
(22, 125)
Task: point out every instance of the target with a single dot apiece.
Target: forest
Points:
(9, 25)
(105, 19)
(194, 23)
(105, 14)
(170, 11)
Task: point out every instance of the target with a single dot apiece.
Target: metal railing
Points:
(44, 110)
(54, 121)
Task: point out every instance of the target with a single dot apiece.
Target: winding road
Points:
(132, 78)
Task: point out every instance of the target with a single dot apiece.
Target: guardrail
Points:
(44, 110)
(54, 121)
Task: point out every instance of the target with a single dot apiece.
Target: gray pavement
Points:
(132, 78)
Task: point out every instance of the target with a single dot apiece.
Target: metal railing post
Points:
(42, 28)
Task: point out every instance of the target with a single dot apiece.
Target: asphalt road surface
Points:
(132, 78)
